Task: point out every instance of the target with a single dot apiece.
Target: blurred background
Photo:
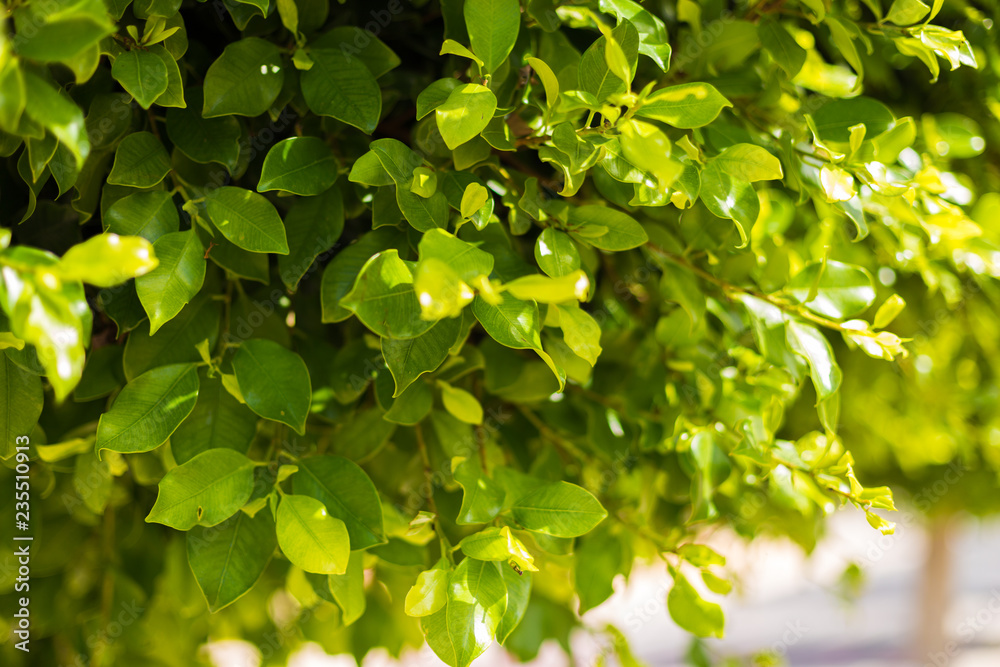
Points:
(861, 600)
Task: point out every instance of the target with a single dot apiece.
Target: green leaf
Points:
(482, 499)
(434, 95)
(228, 559)
(595, 77)
(749, 163)
(146, 214)
(102, 375)
(343, 88)
(833, 121)
(313, 226)
(467, 260)
(175, 281)
(467, 111)
(203, 139)
(310, 537)
(782, 46)
(888, 311)
(56, 113)
(205, 491)
(141, 161)
(652, 31)
(300, 165)
(518, 595)
(348, 494)
(48, 32)
(833, 289)
(428, 594)
(274, 382)
(544, 289)
(473, 199)
(348, 589)
(149, 409)
(175, 341)
(22, 406)
(218, 421)
(461, 404)
(497, 544)
(342, 272)
(515, 323)
(247, 219)
(384, 300)
(107, 260)
(580, 331)
(359, 43)
(623, 232)
(809, 342)
(173, 96)
(907, 12)
(460, 631)
(686, 106)
(423, 214)
(688, 610)
(599, 559)
(408, 359)
(142, 74)
(493, 26)
(560, 509)
(729, 197)
(245, 80)
(556, 253)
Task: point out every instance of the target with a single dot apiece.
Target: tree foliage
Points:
(421, 322)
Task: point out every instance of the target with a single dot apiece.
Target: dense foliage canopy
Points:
(373, 324)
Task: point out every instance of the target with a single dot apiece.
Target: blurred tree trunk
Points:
(936, 586)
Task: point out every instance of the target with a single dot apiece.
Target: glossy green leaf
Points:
(300, 165)
(143, 74)
(19, 412)
(580, 331)
(623, 232)
(497, 544)
(684, 106)
(461, 404)
(786, 52)
(808, 342)
(228, 559)
(408, 359)
(561, 510)
(493, 26)
(141, 161)
(467, 111)
(146, 214)
(274, 382)
(205, 491)
(313, 226)
(482, 499)
(340, 86)
(149, 409)
(175, 281)
(834, 119)
(310, 537)
(428, 594)
(348, 589)
(383, 298)
(218, 421)
(833, 289)
(244, 80)
(247, 219)
(347, 493)
(460, 631)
